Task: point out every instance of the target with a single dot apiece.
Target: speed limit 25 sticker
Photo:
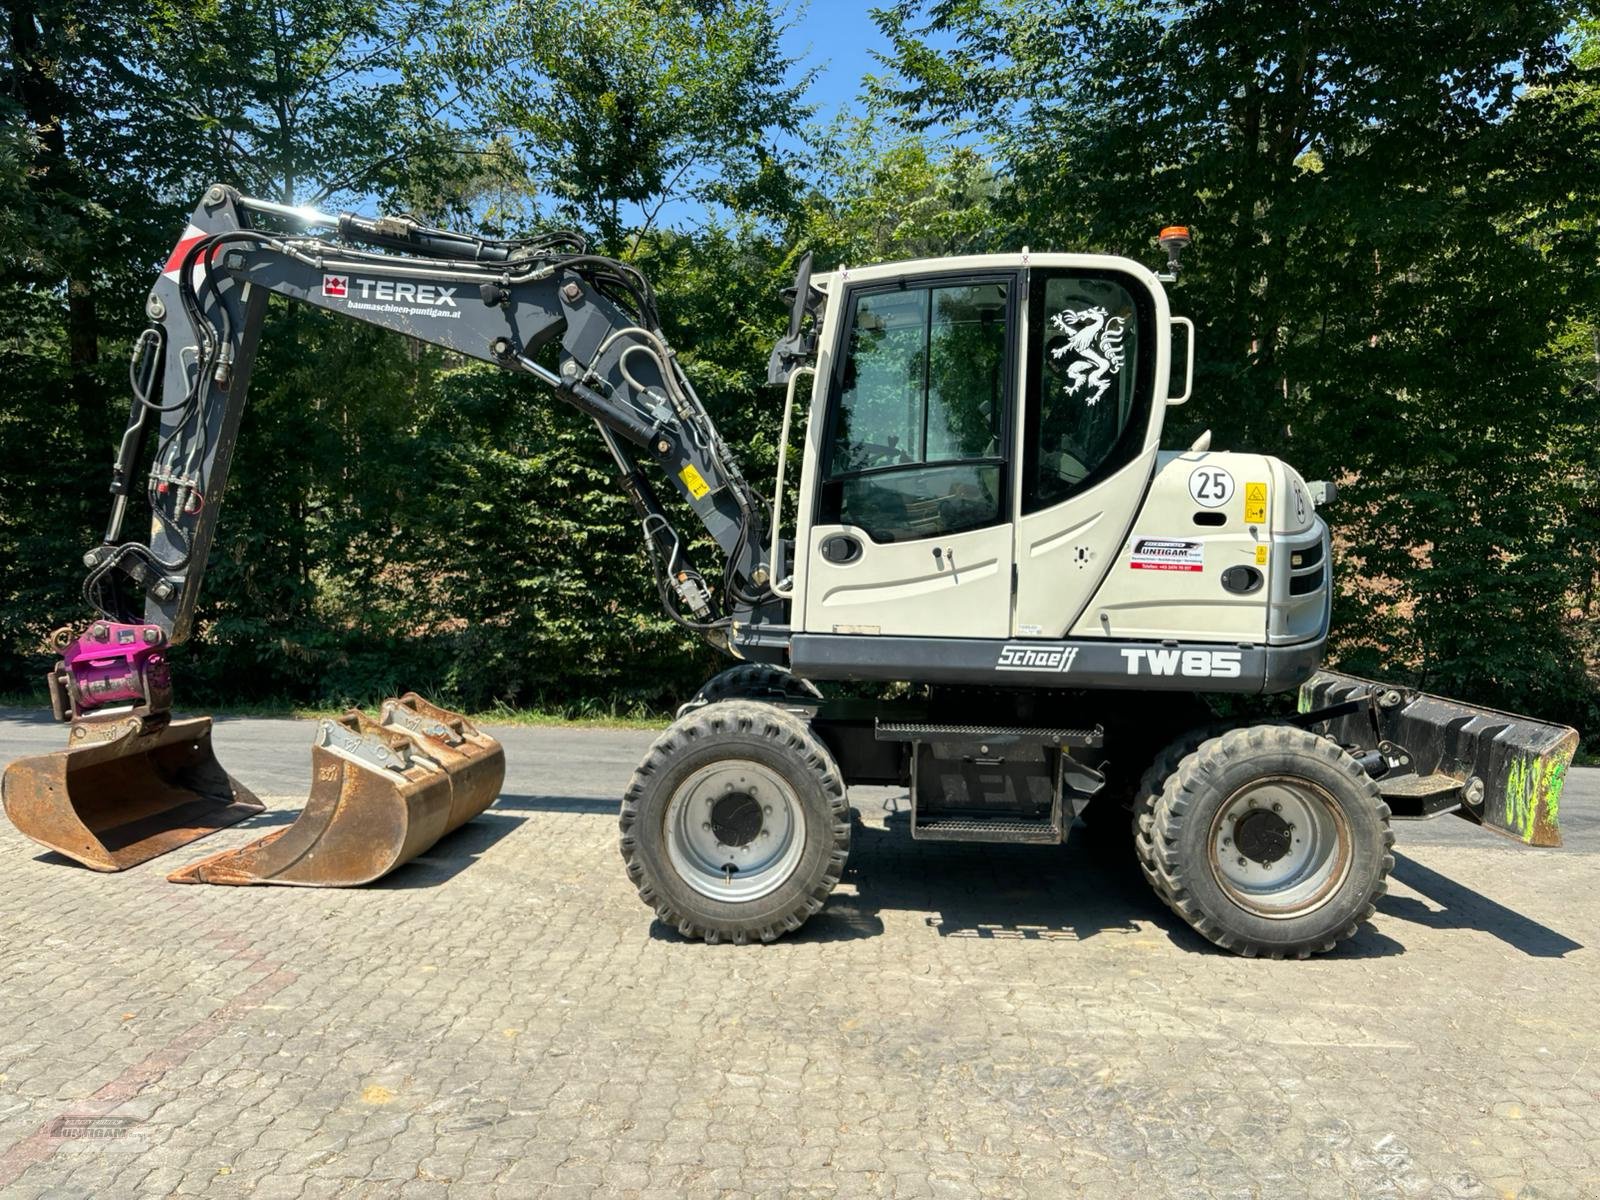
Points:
(1210, 487)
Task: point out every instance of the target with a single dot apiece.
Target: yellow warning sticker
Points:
(693, 480)
(1255, 503)
(1261, 556)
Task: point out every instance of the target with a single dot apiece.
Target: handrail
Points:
(776, 567)
(1188, 367)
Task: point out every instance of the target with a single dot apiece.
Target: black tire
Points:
(756, 681)
(776, 746)
(753, 681)
(1181, 837)
(1161, 768)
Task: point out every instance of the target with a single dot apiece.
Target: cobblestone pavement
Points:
(502, 1018)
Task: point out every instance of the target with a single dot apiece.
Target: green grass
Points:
(591, 715)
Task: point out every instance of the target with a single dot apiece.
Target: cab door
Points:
(1096, 365)
(910, 529)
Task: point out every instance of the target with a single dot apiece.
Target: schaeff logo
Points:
(1019, 656)
(387, 289)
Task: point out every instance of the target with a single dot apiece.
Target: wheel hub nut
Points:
(1262, 836)
(735, 819)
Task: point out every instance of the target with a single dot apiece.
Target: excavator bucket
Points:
(382, 793)
(1430, 756)
(125, 791)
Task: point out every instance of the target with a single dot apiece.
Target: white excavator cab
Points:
(982, 431)
(983, 462)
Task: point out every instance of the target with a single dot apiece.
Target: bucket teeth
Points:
(382, 792)
(125, 791)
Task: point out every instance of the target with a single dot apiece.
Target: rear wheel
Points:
(735, 826)
(1269, 841)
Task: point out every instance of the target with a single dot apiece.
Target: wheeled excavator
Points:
(985, 514)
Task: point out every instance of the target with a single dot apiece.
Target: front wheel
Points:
(735, 826)
(1269, 841)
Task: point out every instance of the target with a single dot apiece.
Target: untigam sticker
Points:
(1167, 554)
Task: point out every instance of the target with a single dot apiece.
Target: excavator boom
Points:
(133, 783)
(582, 324)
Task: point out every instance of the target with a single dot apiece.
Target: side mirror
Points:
(802, 294)
(795, 347)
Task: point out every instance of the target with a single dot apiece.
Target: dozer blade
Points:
(1431, 756)
(125, 791)
(381, 794)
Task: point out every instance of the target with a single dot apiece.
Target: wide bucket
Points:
(475, 762)
(381, 794)
(125, 791)
(1434, 755)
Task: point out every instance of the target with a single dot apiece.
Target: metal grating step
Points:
(968, 829)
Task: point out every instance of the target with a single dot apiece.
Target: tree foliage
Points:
(1394, 273)
(621, 110)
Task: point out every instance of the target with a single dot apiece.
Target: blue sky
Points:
(837, 37)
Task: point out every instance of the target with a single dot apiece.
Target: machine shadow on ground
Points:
(1461, 908)
(1081, 890)
(586, 805)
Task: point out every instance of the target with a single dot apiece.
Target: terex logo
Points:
(406, 293)
(1019, 656)
(336, 285)
(1206, 664)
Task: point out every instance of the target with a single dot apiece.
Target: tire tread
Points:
(1168, 793)
(802, 746)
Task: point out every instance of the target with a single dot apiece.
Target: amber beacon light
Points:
(1174, 239)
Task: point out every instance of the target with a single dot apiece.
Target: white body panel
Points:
(1184, 600)
(903, 588)
(1064, 552)
(1143, 597)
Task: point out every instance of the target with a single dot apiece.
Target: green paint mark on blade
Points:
(1516, 798)
(1552, 792)
(1530, 784)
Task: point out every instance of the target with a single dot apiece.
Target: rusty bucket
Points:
(124, 791)
(381, 794)
(474, 761)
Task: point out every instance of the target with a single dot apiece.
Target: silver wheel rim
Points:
(735, 831)
(1280, 847)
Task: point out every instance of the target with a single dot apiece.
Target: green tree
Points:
(71, 274)
(1394, 205)
(627, 111)
(880, 194)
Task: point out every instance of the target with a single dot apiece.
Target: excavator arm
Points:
(134, 781)
(581, 324)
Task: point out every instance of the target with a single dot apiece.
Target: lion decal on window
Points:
(1087, 349)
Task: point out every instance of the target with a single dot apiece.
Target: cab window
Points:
(1090, 363)
(919, 415)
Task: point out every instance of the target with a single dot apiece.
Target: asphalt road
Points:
(503, 1018)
